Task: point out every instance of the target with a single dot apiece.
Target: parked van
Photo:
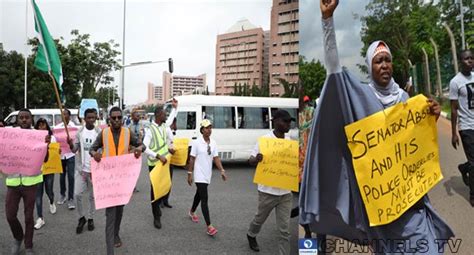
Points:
(237, 122)
(52, 116)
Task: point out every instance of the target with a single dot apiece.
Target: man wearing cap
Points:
(157, 147)
(270, 198)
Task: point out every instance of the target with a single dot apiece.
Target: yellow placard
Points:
(53, 165)
(279, 167)
(181, 154)
(160, 178)
(396, 158)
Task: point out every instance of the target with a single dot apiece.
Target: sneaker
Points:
(80, 225)
(39, 223)
(193, 217)
(16, 247)
(52, 208)
(253, 243)
(29, 252)
(117, 242)
(90, 224)
(212, 231)
(62, 200)
(71, 205)
(464, 172)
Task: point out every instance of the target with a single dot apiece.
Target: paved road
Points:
(232, 207)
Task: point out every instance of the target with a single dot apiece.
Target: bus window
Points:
(293, 113)
(74, 118)
(11, 121)
(47, 117)
(186, 120)
(253, 118)
(221, 117)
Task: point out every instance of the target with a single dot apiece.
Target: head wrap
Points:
(390, 94)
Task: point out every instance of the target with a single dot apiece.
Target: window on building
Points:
(220, 116)
(186, 120)
(253, 118)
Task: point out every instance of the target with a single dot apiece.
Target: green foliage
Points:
(105, 95)
(312, 76)
(246, 90)
(291, 90)
(406, 26)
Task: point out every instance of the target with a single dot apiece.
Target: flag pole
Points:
(59, 103)
(26, 55)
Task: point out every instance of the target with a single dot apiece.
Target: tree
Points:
(312, 76)
(105, 95)
(406, 26)
(85, 66)
(290, 89)
(11, 81)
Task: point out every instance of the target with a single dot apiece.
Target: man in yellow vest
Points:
(114, 141)
(156, 142)
(19, 187)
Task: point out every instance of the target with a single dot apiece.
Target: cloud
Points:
(347, 32)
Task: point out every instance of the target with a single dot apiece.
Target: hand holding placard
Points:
(279, 163)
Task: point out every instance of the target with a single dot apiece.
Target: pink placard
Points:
(22, 151)
(113, 179)
(61, 138)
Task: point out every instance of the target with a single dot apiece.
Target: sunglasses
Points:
(116, 118)
(208, 149)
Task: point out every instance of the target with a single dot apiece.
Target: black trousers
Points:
(467, 138)
(166, 197)
(155, 206)
(201, 196)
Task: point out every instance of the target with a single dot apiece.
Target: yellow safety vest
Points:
(158, 142)
(16, 180)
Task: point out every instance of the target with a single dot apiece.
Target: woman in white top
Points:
(203, 153)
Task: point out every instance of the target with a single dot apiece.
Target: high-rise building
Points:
(239, 57)
(176, 85)
(284, 40)
(155, 94)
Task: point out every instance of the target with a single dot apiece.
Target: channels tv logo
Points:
(308, 246)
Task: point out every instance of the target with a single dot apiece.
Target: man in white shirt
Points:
(461, 94)
(68, 162)
(84, 139)
(270, 198)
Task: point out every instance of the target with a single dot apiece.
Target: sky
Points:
(347, 32)
(185, 30)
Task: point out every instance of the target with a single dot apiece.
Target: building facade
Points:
(284, 45)
(239, 57)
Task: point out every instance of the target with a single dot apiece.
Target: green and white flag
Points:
(47, 57)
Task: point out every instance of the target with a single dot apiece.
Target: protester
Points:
(157, 147)
(47, 183)
(81, 146)
(270, 198)
(329, 197)
(68, 162)
(203, 153)
(114, 141)
(461, 91)
(18, 187)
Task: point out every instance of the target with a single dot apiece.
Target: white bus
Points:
(237, 122)
(52, 116)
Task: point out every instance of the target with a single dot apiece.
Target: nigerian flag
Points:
(47, 58)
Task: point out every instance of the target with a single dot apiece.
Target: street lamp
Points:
(170, 69)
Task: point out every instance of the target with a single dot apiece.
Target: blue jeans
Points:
(68, 168)
(47, 184)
